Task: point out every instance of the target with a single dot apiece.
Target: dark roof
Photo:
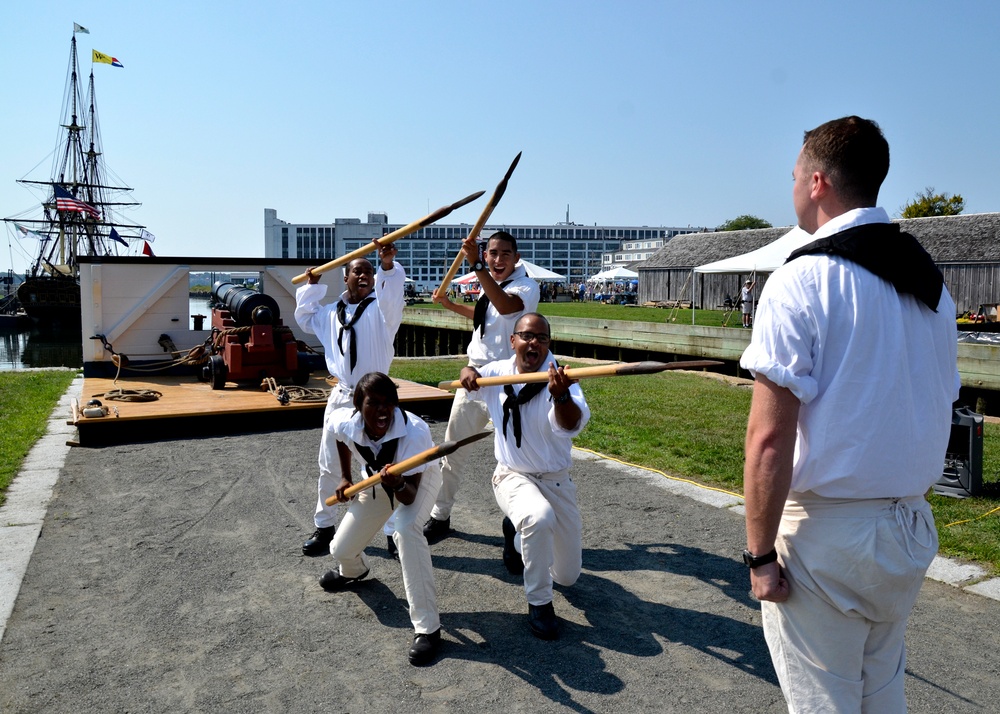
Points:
(949, 239)
(958, 239)
(693, 249)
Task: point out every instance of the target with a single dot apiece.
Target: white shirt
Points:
(347, 425)
(875, 372)
(495, 344)
(545, 446)
(375, 332)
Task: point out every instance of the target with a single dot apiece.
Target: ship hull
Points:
(51, 301)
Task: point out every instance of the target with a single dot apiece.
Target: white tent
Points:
(534, 271)
(765, 259)
(613, 274)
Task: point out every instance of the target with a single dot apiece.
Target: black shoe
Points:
(424, 648)
(319, 542)
(390, 545)
(435, 530)
(332, 581)
(511, 558)
(542, 621)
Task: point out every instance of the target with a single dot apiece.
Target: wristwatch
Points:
(754, 561)
(477, 266)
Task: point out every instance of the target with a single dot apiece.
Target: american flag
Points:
(65, 201)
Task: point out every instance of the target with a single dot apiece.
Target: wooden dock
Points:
(189, 408)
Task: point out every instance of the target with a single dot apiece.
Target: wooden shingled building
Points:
(966, 248)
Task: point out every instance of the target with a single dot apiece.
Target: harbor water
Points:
(31, 347)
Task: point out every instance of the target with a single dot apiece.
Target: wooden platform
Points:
(189, 408)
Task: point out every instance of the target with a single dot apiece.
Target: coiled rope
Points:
(294, 394)
(130, 395)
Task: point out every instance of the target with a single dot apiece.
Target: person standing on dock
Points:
(533, 443)
(746, 302)
(508, 293)
(377, 434)
(854, 355)
(357, 333)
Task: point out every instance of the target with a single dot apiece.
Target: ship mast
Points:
(78, 166)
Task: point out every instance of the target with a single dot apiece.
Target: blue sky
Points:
(630, 112)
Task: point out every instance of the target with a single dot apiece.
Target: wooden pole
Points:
(604, 370)
(498, 193)
(388, 238)
(435, 452)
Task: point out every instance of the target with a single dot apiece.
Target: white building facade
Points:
(636, 250)
(569, 249)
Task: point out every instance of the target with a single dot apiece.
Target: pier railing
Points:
(429, 332)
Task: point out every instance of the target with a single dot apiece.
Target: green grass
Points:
(692, 427)
(969, 527)
(26, 401)
(597, 311)
(683, 424)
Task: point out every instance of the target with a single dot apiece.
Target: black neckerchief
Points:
(348, 326)
(883, 249)
(479, 314)
(512, 405)
(386, 455)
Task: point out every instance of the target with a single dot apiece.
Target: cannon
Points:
(249, 340)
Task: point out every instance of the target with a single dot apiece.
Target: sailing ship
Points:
(80, 211)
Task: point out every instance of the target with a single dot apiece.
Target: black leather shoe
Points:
(319, 542)
(435, 530)
(511, 558)
(424, 648)
(390, 545)
(542, 620)
(332, 581)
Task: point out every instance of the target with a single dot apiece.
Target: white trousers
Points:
(467, 417)
(325, 515)
(543, 509)
(854, 568)
(368, 511)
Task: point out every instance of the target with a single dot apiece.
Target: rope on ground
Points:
(294, 395)
(970, 520)
(131, 395)
(195, 356)
(657, 471)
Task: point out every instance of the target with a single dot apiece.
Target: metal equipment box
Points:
(963, 462)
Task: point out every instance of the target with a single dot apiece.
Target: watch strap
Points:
(755, 561)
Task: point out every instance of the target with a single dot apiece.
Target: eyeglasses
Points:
(540, 337)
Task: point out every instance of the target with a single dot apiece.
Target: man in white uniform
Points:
(746, 302)
(854, 354)
(508, 293)
(357, 333)
(535, 425)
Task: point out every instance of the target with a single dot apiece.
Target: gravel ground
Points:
(169, 578)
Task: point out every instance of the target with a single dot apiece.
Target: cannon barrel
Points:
(247, 307)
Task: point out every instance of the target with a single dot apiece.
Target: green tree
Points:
(742, 223)
(929, 203)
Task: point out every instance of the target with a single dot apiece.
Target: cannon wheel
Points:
(217, 371)
(301, 377)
